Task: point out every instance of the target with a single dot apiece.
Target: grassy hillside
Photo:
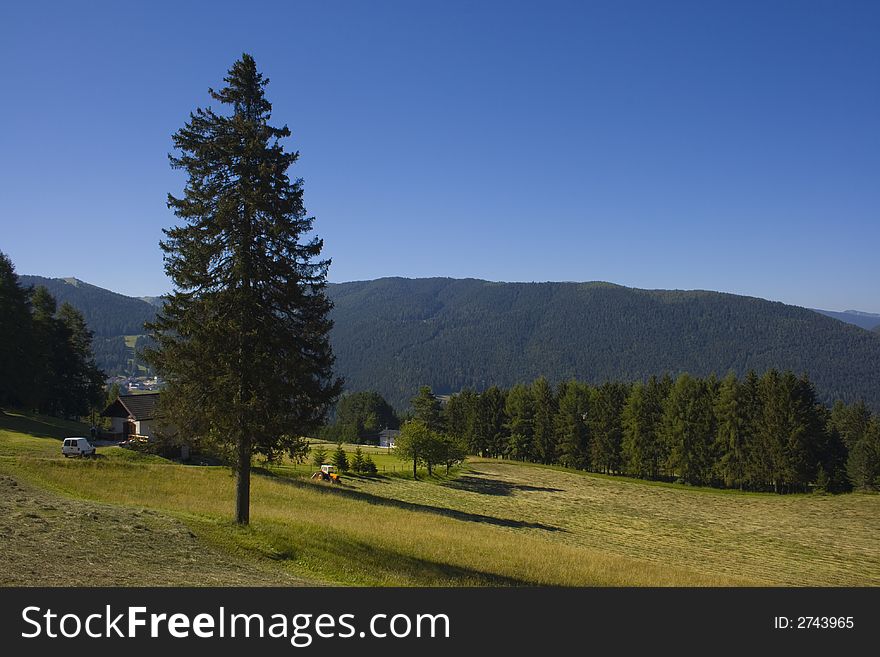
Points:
(494, 523)
(393, 335)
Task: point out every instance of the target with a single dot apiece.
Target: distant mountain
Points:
(153, 301)
(394, 334)
(868, 321)
(109, 315)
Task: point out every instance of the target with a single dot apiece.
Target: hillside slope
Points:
(107, 313)
(395, 334)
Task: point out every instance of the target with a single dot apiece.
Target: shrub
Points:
(340, 460)
(319, 456)
(358, 462)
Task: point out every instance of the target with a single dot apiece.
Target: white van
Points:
(77, 447)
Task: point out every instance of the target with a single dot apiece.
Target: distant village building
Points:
(387, 437)
(133, 415)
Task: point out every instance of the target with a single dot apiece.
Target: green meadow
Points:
(126, 518)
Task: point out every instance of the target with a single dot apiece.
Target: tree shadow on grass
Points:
(33, 426)
(383, 562)
(489, 486)
(414, 506)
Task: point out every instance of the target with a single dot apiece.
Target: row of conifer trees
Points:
(761, 433)
(46, 360)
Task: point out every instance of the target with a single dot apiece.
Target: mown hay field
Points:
(489, 523)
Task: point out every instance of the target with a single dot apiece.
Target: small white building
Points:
(387, 437)
(133, 415)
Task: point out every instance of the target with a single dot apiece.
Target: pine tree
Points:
(319, 456)
(48, 354)
(863, 464)
(832, 476)
(357, 461)
(369, 465)
(571, 426)
(360, 416)
(492, 409)
(455, 414)
(16, 347)
(427, 408)
(731, 439)
(520, 411)
(544, 421)
(605, 423)
(641, 419)
(340, 459)
(851, 421)
(80, 379)
(688, 427)
(243, 341)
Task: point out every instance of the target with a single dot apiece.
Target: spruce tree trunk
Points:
(243, 482)
(415, 473)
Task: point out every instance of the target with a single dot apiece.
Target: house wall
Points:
(144, 428)
(116, 424)
(387, 438)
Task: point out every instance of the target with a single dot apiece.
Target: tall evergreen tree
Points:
(428, 409)
(688, 424)
(863, 463)
(732, 437)
(80, 380)
(605, 418)
(360, 416)
(48, 354)
(456, 414)
(243, 341)
(786, 432)
(571, 426)
(831, 475)
(850, 421)
(544, 421)
(642, 415)
(16, 353)
(494, 420)
(520, 411)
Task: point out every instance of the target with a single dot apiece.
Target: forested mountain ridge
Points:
(110, 316)
(107, 313)
(394, 334)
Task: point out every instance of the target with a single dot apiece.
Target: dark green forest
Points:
(110, 317)
(393, 335)
(759, 433)
(46, 360)
(108, 314)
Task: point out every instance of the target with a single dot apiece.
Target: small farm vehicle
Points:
(327, 473)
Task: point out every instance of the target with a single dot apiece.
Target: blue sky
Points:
(729, 146)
